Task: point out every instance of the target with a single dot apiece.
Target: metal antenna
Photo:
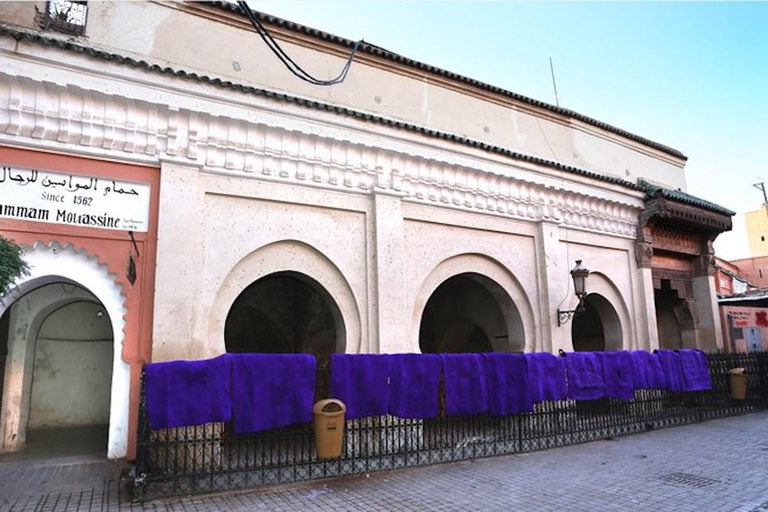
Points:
(554, 84)
(761, 186)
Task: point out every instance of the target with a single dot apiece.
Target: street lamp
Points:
(579, 275)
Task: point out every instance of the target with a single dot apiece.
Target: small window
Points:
(762, 239)
(67, 16)
(760, 271)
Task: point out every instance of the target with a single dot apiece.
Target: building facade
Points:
(407, 209)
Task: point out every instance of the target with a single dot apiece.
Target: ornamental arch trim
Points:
(600, 284)
(51, 263)
(295, 258)
(506, 289)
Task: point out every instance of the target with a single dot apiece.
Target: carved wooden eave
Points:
(679, 226)
(668, 212)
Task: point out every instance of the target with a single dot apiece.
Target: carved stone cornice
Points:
(72, 119)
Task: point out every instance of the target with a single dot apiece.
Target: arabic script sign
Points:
(46, 196)
(741, 318)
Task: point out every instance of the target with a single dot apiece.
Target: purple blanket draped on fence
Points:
(649, 373)
(507, 380)
(185, 393)
(466, 390)
(618, 374)
(695, 370)
(585, 376)
(546, 377)
(673, 369)
(414, 385)
(271, 390)
(361, 381)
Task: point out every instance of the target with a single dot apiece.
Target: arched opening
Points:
(464, 315)
(598, 328)
(673, 318)
(74, 276)
(285, 312)
(59, 341)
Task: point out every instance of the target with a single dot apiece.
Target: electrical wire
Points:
(289, 63)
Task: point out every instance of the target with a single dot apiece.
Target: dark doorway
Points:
(283, 313)
(598, 328)
(463, 315)
(673, 319)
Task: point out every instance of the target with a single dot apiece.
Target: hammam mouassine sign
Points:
(73, 199)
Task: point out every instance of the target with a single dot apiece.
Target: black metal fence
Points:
(210, 457)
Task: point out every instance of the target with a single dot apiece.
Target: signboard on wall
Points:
(741, 318)
(73, 199)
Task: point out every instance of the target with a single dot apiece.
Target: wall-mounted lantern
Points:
(579, 275)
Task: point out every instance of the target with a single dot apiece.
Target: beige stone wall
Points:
(379, 263)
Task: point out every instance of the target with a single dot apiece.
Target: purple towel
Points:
(585, 376)
(271, 390)
(673, 369)
(695, 370)
(361, 381)
(184, 393)
(466, 391)
(507, 379)
(546, 377)
(618, 374)
(649, 373)
(641, 377)
(414, 385)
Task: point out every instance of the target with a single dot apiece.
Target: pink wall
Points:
(742, 324)
(755, 270)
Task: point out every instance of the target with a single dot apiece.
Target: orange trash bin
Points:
(328, 423)
(738, 382)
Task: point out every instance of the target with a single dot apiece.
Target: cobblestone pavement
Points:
(720, 465)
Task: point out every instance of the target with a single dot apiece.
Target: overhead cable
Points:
(289, 63)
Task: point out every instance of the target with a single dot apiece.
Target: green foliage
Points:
(12, 264)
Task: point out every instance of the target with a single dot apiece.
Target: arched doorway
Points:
(464, 314)
(59, 341)
(598, 328)
(288, 258)
(673, 318)
(285, 312)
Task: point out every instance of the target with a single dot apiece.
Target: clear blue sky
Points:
(693, 76)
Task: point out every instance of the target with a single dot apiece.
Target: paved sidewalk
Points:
(721, 465)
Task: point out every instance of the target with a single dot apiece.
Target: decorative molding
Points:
(68, 250)
(676, 240)
(643, 253)
(679, 281)
(71, 116)
(74, 119)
